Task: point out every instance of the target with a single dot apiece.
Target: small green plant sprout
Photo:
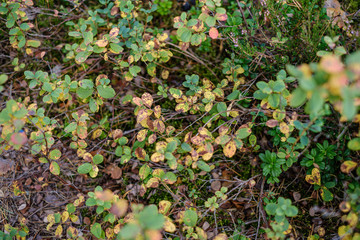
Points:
(221, 194)
(271, 166)
(192, 84)
(91, 168)
(162, 90)
(211, 203)
(280, 210)
(273, 93)
(332, 42)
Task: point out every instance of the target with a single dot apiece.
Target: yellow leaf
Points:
(157, 111)
(157, 157)
(140, 153)
(169, 226)
(102, 43)
(284, 128)
(97, 133)
(230, 149)
(119, 208)
(221, 236)
(162, 37)
(164, 206)
(348, 166)
(345, 206)
(152, 183)
(165, 74)
(142, 135)
(114, 32)
(147, 99)
(142, 115)
(314, 178)
(64, 216)
(58, 231)
(152, 138)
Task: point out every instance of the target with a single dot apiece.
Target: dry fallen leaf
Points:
(6, 165)
(114, 171)
(334, 11)
(216, 185)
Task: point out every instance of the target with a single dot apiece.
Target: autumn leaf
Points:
(147, 99)
(314, 178)
(54, 168)
(142, 115)
(229, 149)
(213, 33)
(348, 166)
(102, 43)
(157, 157)
(141, 135)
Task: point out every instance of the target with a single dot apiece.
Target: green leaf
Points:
(149, 218)
(97, 159)
(186, 147)
(71, 127)
(298, 97)
(93, 105)
(54, 168)
(203, 166)
(210, 21)
(326, 195)
(291, 211)
(169, 178)
(55, 154)
(82, 56)
(24, 26)
(184, 34)
(278, 86)
(234, 95)
(264, 87)
(190, 218)
(315, 103)
(86, 84)
(91, 202)
(243, 133)
(116, 48)
(3, 78)
(84, 168)
(134, 70)
(33, 43)
(88, 37)
(354, 144)
(271, 208)
(96, 230)
(281, 75)
(84, 93)
(144, 171)
(129, 231)
(274, 100)
(171, 146)
(105, 91)
(221, 108)
(349, 109)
